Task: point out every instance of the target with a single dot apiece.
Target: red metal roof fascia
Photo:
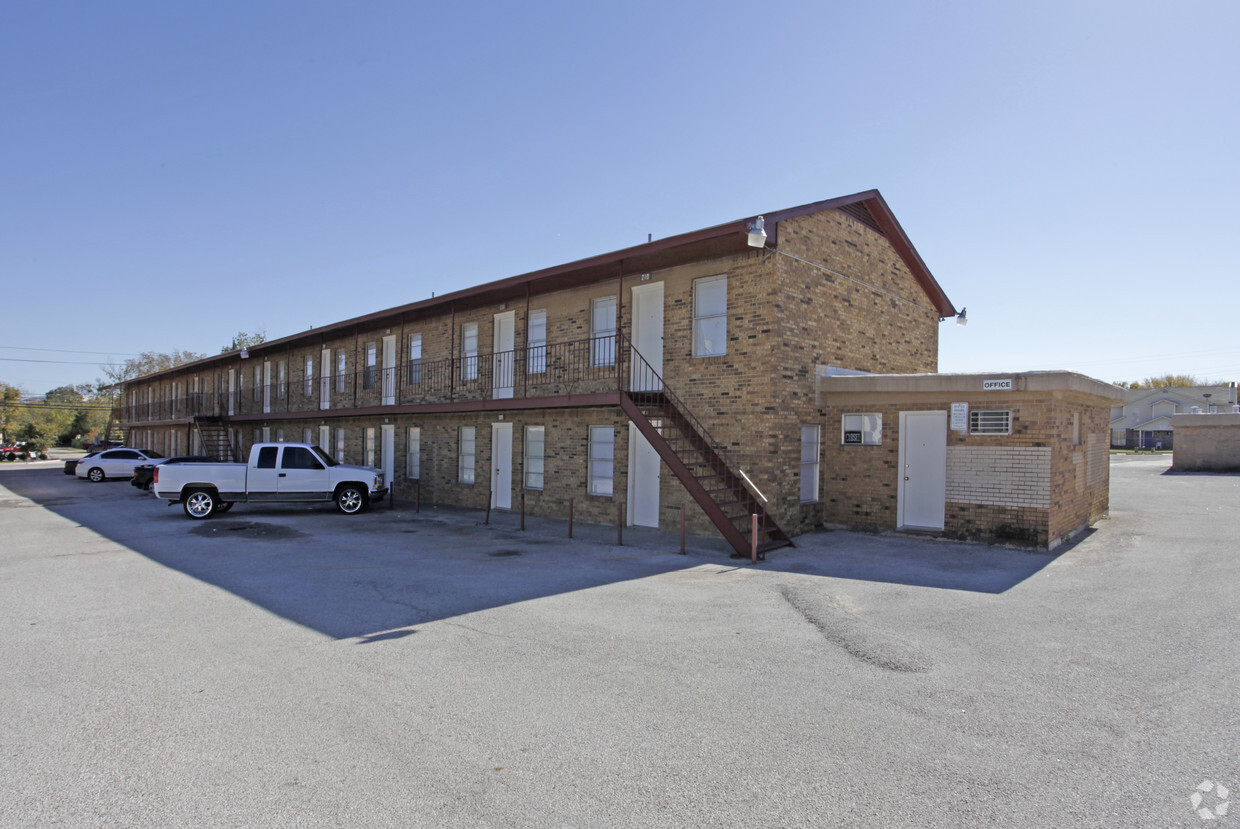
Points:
(877, 205)
(899, 240)
(720, 240)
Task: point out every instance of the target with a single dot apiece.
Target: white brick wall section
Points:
(1005, 476)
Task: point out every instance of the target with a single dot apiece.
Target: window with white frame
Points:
(603, 331)
(537, 337)
(413, 454)
(325, 437)
(279, 436)
(369, 448)
(258, 382)
(710, 316)
(281, 379)
(371, 367)
(307, 435)
(310, 376)
(415, 359)
(339, 444)
(602, 459)
(535, 443)
(258, 436)
(469, 351)
(993, 422)
(341, 365)
(811, 450)
(465, 455)
(862, 429)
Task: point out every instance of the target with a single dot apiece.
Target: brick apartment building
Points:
(688, 371)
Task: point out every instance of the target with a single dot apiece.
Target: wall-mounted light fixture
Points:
(757, 233)
(245, 353)
(961, 318)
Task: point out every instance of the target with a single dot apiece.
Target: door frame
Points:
(503, 362)
(636, 441)
(501, 466)
(641, 294)
(903, 481)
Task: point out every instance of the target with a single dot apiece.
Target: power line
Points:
(59, 362)
(69, 350)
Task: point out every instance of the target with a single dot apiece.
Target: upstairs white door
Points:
(643, 479)
(502, 361)
(266, 387)
(922, 494)
(325, 379)
(646, 371)
(501, 465)
(389, 370)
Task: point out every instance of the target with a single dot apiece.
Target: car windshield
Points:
(324, 457)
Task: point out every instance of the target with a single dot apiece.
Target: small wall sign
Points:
(996, 385)
(960, 417)
(851, 436)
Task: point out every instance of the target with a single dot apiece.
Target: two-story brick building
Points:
(681, 372)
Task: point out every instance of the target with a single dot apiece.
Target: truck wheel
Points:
(95, 475)
(200, 503)
(225, 506)
(350, 499)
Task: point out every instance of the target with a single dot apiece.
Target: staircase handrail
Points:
(685, 412)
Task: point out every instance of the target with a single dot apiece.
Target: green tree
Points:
(244, 339)
(1166, 381)
(10, 397)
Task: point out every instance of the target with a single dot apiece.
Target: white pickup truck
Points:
(276, 473)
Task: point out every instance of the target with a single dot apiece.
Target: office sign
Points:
(996, 385)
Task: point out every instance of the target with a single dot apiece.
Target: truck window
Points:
(299, 457)
(267, 457)
(327, 459)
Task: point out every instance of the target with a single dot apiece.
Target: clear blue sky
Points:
(175, 172)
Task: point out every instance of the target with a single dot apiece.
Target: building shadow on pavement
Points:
(376, 576)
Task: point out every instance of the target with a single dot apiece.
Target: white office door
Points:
(232, 392)
(325, 379)
(647, 338)
(502, 360)
(389, 370)
(923, 470)
(643, 479)
(501, 465)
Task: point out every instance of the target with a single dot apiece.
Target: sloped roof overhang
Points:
(728, 239)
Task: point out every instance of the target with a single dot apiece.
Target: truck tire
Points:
(224, 506)
(200, 503)
(351, 498)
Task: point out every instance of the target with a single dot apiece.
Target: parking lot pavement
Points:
(292, 666)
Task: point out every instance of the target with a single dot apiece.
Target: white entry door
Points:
(923, 470)
(643, 479)
(501, 465)
(647, 338)
(325, 379)
(389, 370)
(387, 452)
(502, 361)
(266, 387)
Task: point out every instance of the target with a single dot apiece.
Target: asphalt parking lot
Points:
(289, 666)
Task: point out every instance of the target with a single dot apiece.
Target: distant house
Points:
(1144, 419)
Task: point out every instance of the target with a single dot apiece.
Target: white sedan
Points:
(115, 463)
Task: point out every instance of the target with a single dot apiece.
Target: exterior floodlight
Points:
(757, 233)
(245, 353)
(961, 319)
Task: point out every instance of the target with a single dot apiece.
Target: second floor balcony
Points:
(554, 370)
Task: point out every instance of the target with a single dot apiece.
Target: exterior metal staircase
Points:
(699, 462)
(214, 439)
